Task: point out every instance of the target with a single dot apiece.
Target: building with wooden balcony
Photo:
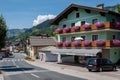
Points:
(99, 28)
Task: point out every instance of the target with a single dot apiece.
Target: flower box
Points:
(117, 25)
(67, 44)
(86, 26)
(66, 29)
(116, 43)
(87, 43)
(59, 44)
(100, 43)
(99, 24)
(58, 30)
(76, 43)
(76, 28)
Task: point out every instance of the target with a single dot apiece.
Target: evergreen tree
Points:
(3, 30)
(117, 8)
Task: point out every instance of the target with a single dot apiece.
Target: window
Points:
(64, 25)
(94, 21)
(83, 37)
(77, 15)
(82, 23)
(73, 38)
(94, 37)
(73, 24)
(113, 20)
(63, 39)
(113, 36)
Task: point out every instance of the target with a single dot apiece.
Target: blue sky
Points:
(22, 13)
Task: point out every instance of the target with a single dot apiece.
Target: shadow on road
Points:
(14, 68)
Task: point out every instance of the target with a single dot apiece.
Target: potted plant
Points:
(67, 29)
(86, 26)
(87, 43)
(76, 43)
(100, 43)
(59, 44)
(67, 44)
(117, 25)
(99, 24)
(76, 28)
(116, 42)
(58, 30)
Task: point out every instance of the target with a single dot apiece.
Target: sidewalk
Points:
(1, 77)
(76, 71)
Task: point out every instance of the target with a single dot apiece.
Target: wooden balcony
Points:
(107, 43)
(107, 25)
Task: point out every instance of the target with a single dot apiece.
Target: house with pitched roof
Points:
(84, 32)
(34, 43)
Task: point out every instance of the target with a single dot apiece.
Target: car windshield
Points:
(91, 61)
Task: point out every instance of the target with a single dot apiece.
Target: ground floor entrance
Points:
(81, 55)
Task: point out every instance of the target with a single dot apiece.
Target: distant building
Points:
(34, 43)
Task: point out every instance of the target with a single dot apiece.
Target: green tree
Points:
(117, 8)
(3, 30)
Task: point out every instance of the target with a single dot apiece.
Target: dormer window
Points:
(77, 15)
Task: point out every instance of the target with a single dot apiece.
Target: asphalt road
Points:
(17, 69)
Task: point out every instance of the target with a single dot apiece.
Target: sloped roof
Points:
(75, 7)
(42, 41)
(49, 48)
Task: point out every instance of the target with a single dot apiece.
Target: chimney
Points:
(100, 6)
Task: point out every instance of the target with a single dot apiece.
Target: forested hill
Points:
(43, 28)
(115, 8)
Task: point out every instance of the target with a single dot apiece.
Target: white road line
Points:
(35, 75)
(12, 60)
(15, 64)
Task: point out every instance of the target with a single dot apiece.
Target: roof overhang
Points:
(72, 7)
(80, 52)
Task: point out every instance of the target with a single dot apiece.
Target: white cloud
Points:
(42, 18)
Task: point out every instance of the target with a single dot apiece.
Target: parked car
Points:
(10, 55)
(100, 64)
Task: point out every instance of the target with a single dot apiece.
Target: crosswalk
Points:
(11, 60)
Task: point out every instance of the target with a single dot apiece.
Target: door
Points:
(107, 64)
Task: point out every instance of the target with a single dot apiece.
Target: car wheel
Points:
(89, 70)
(100, 69)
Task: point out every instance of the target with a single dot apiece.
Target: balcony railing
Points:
(96, 26)
(86, 43)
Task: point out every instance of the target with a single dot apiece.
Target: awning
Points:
(81, 52)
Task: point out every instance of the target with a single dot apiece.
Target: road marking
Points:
(12, 60)
(35, 75)
(15, 64)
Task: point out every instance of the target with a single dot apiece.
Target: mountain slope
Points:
(15, 32)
